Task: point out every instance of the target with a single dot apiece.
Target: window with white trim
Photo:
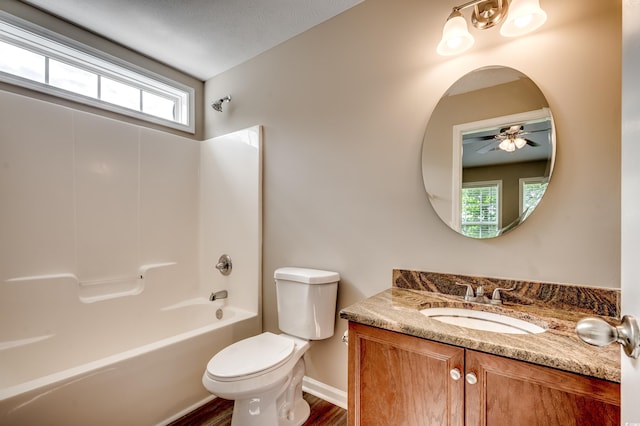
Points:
(480, 209)
(531, 192)
(38, 59)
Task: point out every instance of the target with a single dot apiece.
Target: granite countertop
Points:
(398, 309)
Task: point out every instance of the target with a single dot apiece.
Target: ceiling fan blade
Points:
(489, 147)
(532, 143)
(477, 139)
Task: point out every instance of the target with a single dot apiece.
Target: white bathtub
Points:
(109, 231)
(148, 375)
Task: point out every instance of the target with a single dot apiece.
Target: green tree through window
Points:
(532, 193)
(480, 210)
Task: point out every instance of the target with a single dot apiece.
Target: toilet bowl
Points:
(263, 374)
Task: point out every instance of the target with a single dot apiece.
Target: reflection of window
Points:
(531, 192)
(41, 60)
(481, 209)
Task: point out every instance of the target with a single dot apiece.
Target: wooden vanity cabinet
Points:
(510, 392)
(396, 379)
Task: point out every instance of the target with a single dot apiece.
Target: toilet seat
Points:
(250, 357)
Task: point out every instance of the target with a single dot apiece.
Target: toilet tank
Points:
(306, 302)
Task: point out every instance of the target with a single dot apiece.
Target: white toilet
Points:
(263, 373)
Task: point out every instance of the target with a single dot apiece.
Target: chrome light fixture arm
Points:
(486, 13)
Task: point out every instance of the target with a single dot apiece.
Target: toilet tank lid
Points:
(306, 275)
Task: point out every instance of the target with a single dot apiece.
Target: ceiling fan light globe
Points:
(520, 143)
(507, 145)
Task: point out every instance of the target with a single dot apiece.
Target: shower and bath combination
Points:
(217, 105)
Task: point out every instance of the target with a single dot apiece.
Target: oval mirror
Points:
(488, 152)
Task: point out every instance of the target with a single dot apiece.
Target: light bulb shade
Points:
(455, 36)
(524, 17)
(507, 145)
(520, 143)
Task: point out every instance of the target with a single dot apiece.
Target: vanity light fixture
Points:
(525, 16)
(520, 17)
(455, 35)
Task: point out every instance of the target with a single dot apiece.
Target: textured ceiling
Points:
(199, 37)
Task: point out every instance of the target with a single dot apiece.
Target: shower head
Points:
(218, 104)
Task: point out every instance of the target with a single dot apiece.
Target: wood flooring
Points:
(218, 413)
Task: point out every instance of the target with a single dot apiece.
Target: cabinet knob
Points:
(455, 374)
(472, 379)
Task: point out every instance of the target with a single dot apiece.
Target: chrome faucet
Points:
(469, 295)
(495, 297)
(222, 294)
(224, 264)
(478, 297)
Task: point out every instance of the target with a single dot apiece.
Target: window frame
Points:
(31, 37)
(522, 182)
(484, 184)
(458, 132)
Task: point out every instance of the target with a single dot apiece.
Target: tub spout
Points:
(223, 294)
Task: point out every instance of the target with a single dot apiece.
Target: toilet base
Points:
(268, 416)
(301, 413)
(281, 406)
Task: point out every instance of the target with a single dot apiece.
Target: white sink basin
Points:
(480, 320)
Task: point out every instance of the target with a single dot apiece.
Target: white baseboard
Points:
(324, 391)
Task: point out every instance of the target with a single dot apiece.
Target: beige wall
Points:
(344, 108)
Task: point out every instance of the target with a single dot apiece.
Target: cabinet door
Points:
(513, 393)
(399, 380)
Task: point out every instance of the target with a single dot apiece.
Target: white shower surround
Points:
(109, 236)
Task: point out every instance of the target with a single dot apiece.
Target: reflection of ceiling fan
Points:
(508, 139)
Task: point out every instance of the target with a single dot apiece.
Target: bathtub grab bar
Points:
(111, 288)
(90, 291)
(43, 277)
(107, 281)
(67, 275)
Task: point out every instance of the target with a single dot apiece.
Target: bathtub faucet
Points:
(222, 294)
